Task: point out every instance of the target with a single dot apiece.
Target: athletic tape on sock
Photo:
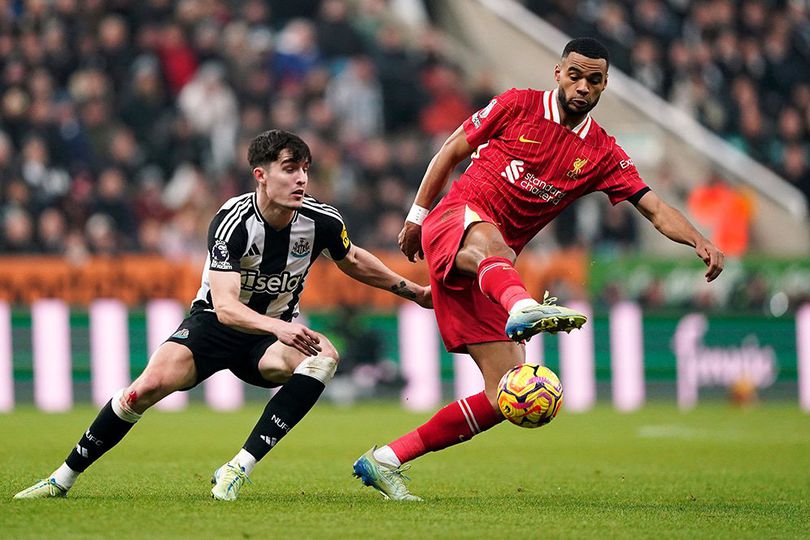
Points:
(123, 411)
(321, 368)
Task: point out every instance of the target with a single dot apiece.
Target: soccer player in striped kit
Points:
(533, 153)
(260, 248)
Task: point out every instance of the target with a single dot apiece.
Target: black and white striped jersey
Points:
(273, 264)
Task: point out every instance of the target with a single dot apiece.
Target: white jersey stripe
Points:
(256, 210)
(232, 213)
(236, 204)
(555, 112)
(312, 203)
(323, 211)
(235, 221)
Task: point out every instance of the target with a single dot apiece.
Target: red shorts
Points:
(463, 313)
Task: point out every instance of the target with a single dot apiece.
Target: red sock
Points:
(455, 423)
(500, 282)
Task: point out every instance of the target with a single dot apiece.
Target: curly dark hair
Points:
(586, 46)
(266, 147)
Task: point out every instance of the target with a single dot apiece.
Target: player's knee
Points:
(329, 350)
(147, 390)
(319, 367)
(499, 249)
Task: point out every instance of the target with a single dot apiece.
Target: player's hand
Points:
(298, 337)
(410, 241)
(712, 257)
(423, 297)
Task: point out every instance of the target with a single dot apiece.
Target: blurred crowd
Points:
(742, 68)
(124, 123)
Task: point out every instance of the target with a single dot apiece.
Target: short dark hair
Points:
(586, 46)
(266, 147)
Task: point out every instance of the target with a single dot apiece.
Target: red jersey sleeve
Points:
(620, 179)
(490, 121)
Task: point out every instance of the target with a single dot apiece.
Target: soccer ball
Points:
(530, 395)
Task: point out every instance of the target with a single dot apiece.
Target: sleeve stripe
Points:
(230, 221)
(323, 209)
(316, 203)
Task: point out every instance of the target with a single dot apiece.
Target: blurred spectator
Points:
(337, 38)
(618, 232)
(112, 202)
(296, 54)
(144, 103)
(18, 231)
(447, 105)
(178, 59)
(356, 98)
(210, 106)
(399, 75)
(51, 231)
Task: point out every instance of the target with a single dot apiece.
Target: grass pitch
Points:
(716, 472)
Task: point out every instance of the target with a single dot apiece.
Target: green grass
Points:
(716, 472)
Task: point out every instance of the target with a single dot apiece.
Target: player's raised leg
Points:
(170, 368)
(304, 380)
(485, 255)
(381, 468)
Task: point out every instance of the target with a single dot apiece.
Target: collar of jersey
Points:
(581, 130)
(255, 204)
(260, 217)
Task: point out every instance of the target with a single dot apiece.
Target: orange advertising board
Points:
(135, 279)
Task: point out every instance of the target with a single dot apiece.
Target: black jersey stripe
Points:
(293, 303)
(274, 262)
(231, 218)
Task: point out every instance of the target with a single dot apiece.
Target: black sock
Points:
(286, 409)
(104, 433)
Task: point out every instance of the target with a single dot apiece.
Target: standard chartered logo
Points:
(513, 170)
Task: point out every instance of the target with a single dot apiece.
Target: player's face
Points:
(581, 81)
(284, 181)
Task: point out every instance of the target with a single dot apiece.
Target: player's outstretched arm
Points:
(363, 266)
(676, 227)
(452, 152)
(231, 312)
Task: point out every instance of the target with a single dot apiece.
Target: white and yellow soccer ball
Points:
(530, 395)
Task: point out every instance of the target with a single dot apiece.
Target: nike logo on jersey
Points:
(523, 138)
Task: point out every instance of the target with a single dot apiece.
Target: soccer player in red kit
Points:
(533, 153)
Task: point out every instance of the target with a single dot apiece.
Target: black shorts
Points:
(216, 347)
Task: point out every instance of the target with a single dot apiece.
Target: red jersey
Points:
(528, 167)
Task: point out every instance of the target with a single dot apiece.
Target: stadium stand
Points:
(123, 123)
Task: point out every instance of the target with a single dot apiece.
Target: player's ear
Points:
(259, 175)
(557, 71)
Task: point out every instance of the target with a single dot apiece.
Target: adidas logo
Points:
(271, 441)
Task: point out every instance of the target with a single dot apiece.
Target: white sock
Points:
(526, 302)
(387, 456)
(245, 460)
(65, 476)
